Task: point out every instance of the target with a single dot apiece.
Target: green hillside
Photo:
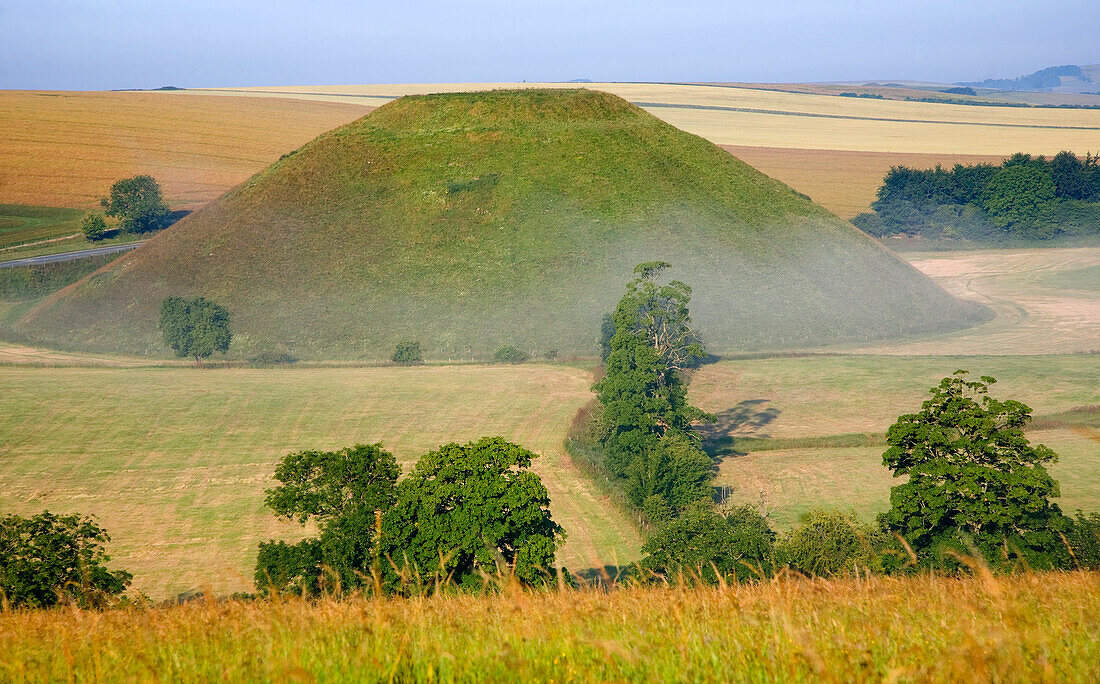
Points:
(473, 220)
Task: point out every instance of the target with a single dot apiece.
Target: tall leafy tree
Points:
(973, 475)
(194, 327)
(342, 492)
(137, 203)
(48, 558)
(467, 508)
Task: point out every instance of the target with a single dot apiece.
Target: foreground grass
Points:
(1037, 627)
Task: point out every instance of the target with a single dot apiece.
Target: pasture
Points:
(809, 432)
(174, 461)
(1029, 627)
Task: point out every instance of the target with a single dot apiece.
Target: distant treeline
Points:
(1044, 79)
(1025, 198)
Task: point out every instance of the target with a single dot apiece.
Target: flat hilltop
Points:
(469, 221)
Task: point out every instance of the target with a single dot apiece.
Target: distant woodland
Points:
(1025, 198)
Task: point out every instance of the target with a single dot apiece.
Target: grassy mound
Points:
(476, 220)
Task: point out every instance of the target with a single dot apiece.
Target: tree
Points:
(739, 543)
(408, 353)
(675, 470)
(343, 492)
(467, 509)
(642, 393)
(828, 543)
(138, 204)
(194, 327)
(973, 478)
(94, 227)
(47, 558)
(1071, 177)
(1018, 194)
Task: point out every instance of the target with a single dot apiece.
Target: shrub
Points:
(194, 327)
(828, 543)
(551, 354)
(94, 227)
(269, 357)
(1083, 538)
(510, 354)
(47, 558)
(738, 544)
(408, 353)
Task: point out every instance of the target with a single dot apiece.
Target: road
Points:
(70, 256)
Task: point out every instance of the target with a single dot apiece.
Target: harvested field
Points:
(65, 149)
(174, 461)
(842, 181)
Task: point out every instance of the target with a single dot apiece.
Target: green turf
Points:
(1079, 279)
(22, 283)
(475, 220)
(21, 224)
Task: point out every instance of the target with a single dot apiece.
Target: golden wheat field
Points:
(1023, 628)
(67, 148)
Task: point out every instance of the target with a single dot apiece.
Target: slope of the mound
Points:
(470, 221)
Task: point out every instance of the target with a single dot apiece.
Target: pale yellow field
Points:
(770, 118)
(67, 148)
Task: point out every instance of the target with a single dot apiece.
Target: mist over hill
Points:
(473, 220)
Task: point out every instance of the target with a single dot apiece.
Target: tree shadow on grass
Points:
(747, 419)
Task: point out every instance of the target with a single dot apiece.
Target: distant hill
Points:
(1068, 78)
(473, 220)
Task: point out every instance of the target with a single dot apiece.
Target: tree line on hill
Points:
(977, 495)
(1025, 198)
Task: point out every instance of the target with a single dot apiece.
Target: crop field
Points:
(174, 461)
(770, 118)
(1025, 628)
(65, 149)
(842, 181)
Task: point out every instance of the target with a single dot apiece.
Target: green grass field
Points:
(472, 221)
(21, 224)
(174, 461)
(1087, 278)
(1023, 628)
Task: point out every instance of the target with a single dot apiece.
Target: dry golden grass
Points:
(1023, 628)
(66, 148)
(842, 181)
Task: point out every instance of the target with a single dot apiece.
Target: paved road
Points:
(70, 256)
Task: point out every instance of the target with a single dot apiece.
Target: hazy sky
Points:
(98, 44)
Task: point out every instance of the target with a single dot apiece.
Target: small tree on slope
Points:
(194, 327)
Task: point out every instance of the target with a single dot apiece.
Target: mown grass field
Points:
(1024, 628)
(831, 413)
(174, 461)
(65, 149)
(20, 224)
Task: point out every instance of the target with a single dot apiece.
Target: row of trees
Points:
(1025, 197)
(136, 203)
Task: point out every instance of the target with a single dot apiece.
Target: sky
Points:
(105, 44)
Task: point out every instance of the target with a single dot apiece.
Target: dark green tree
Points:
(973, 479)
(47, 558)
(1071, 177)
(194, 327)
(675, 470)
(1017, 196)
(468, 509)
(138, 204)
(739, 543)
(343, 492)
(94, 227)
(408, 353)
